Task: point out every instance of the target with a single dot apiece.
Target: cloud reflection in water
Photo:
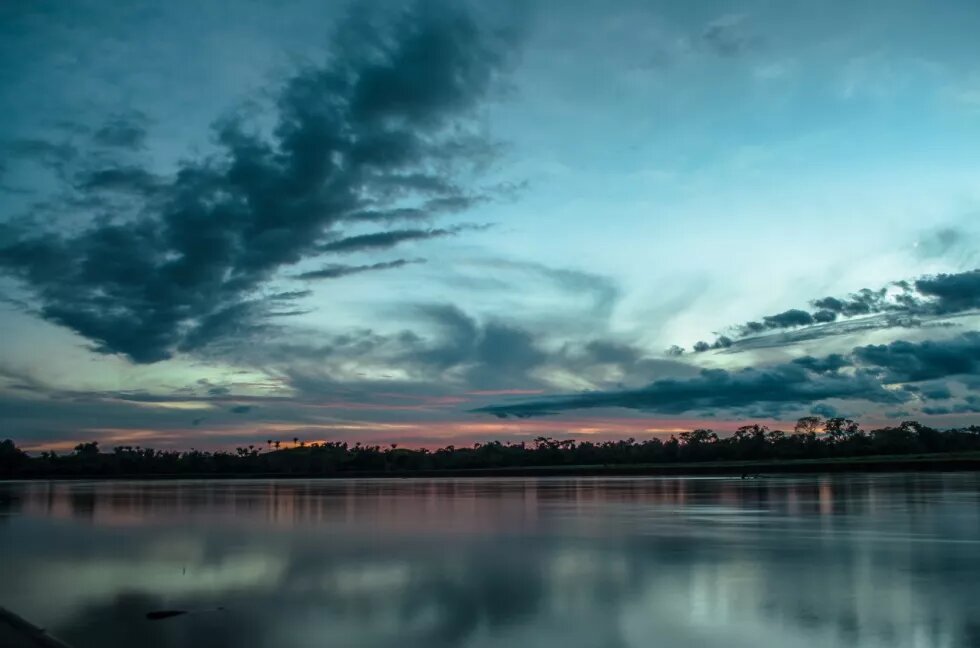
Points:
(813, 561)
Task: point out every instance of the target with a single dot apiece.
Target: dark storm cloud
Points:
(936, 392)
(896, 362)
(336, 270)
(952, 293)
(389, 239)
(915, 361)
(290, 295)
(901, 304)
(428, 209)
(862, 375)
(723, 342)
(792, 317)
(841, 327)
(862, 302)
(786, 384)
(382, 131)
(969, 405)
(828, 364)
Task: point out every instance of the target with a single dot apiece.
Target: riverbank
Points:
(935, 462)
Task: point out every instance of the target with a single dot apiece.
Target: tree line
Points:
(811, 438)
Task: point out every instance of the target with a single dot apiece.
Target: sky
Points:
(438, 223)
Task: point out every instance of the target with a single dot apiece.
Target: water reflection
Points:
(814, 561)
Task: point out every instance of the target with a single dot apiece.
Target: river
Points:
(782, 562)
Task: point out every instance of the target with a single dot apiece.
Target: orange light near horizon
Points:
(505, 392)
(416, 434)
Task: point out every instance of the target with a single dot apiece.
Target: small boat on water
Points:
(15, 632)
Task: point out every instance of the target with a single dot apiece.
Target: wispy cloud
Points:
(862, 375)
(337, 270)
(903, 304)
(380, 132)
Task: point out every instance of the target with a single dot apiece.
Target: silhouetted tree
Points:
(12, 458)
(840, 429)
(808, 426)
(89, 449)
(749, 443)
(698, 437)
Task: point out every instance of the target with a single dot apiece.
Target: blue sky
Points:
(600, 183)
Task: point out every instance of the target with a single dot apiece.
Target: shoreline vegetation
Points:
(814, 445)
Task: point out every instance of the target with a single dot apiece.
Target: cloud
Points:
(49, 154)
(862, 376)
(944, 242)
(792, 317)
(951, 293)
(727, 37)
(125, 179)
(969, 405)
(383, 131)
(335, 271)
(936, 392)
(862, 302)
(902, 361)
(447, 350)
(603, 291)
(824, 410)
(290, 295)
(389, 239)
(785, 384)
(482, 355)
(833, 329)
(127, 131)
(828, 364)
(901, 304)
(723, 342)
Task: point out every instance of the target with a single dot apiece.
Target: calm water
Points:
(784, 562)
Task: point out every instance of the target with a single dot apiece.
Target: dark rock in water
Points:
(164, 614)
(157, 615)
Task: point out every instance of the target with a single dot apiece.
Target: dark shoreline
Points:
(945, 462)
